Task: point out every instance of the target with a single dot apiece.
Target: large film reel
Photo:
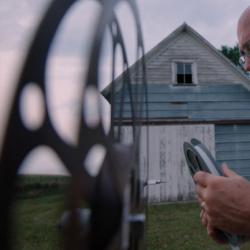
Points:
(114, 197)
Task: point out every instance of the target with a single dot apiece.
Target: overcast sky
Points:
(215, 20)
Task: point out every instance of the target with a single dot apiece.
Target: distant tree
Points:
(232, 53)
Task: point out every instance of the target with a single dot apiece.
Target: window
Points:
(184, 73)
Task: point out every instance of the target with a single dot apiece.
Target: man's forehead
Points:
(244, 19)
(244, 37)
(243, 30)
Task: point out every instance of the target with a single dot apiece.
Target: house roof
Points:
(165, 43)
(202, 103)
(186, 28)
(215, 103)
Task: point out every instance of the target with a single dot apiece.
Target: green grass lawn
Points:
(170, 226)
(36, 220)
(177, 226)
(173, 226)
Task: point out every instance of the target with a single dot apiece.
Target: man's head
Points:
(243, 33)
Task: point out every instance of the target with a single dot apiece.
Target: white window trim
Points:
(194, 70)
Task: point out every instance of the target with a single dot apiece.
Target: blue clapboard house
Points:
(193, 92)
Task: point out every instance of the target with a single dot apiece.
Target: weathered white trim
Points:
(195, 72)
(173, 69)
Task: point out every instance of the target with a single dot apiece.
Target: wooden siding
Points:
(233, 147)
(166, 159)
(194, 103)
(210, 67)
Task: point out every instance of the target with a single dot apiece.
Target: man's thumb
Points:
(226, 171)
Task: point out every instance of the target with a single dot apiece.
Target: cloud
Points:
(215, 20)
(18, 20)
(44, 161)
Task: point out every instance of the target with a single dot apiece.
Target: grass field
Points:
(177, 226)
(171, 226)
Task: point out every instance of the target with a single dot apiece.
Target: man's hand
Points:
(214, 233)
(225, 201)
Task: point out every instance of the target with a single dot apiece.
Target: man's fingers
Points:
(227, 172)
(200, 190)
(203, 217)
(202, 178)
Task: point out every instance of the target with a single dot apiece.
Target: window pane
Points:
(188, 68)
(180, 68)
(188, 78)
(180, 78)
